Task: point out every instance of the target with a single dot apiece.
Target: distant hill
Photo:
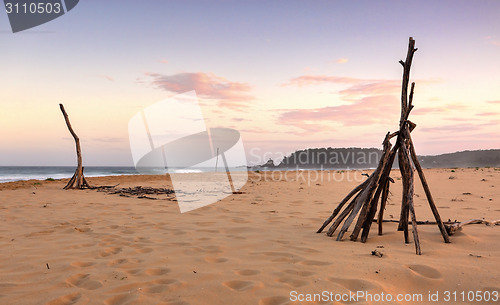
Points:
(468, 158)
(363, 158)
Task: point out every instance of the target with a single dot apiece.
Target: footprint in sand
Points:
(108, 239)
(299, 272)
(166, 281)
(142, 240)
(291, 282)
(235, 236)
(269, 253)
(110, 251)
(425, 271)
(157, 271)
(212, 249)
(247, 272)
(68, 299)
(275, 300)
(162, 285)
(305, 249)
(239, 220)
(315, 263)
(7, 285)
(117, 262)
(204, 223)
(354, 284)
(144, 250)
(282, 256)
(82, 264)
(204, 249)
(83, 281)
(179, 244)
(120, 299)
(133, 271)
(217, 260)
(238, 285)
(155, 289)
(127, 287)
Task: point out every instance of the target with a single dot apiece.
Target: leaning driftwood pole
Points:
(78, 180)
(376, 187)
(435, 212)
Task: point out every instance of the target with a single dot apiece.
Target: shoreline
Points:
(250, 170)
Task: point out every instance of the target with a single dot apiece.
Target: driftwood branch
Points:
(78, 180)
(428, 193)
(341, 205)
(457, 226)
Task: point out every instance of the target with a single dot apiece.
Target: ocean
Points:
(18, 173)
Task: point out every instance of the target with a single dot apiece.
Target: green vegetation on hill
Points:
(362, 158)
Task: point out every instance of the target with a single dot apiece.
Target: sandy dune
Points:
(88, 247)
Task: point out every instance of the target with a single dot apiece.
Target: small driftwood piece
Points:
(78, 180)
(376, 188)
(420, 222)
(457, 226)
(138, 191)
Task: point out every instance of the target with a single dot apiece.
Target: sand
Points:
(260, 247)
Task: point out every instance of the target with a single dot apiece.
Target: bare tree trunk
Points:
(78, 180)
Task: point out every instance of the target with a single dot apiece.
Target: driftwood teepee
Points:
(365, 203)
(78, 180)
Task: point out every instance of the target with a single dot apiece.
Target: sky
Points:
(287, 75)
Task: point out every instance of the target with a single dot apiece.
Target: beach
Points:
(258, 247)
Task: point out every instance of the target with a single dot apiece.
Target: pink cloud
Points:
(342, 60)
(366, 111)
(107, 77)
(382, 87)
(163, 61)
(306, 80)
(372, 102)
(457, 119)
(442, 109)
(452, 129)
(488, 114)
(494, 102)
(356, 87)
(207, 85)
(492, 41)
(253, 130)
(463, 128)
